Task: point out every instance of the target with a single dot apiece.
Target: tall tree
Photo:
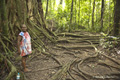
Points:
(46, 9)
(71, 15)
(40, 8)
(75, 11)
(93, 15)
(18, 14)
(116, 18)
(89, 14)
(102, 12)
(109, 13)
(4, 20)
(79, 13)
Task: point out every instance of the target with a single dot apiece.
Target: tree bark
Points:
(29, 7)
(109, 14)
(18, 12)
(102, 12)
(71, 15)
(93, 15)
(40, 8)
(4, 20)
(21, 14)
(116, 18)
(89, 14)
(75, 11)
(79, 13)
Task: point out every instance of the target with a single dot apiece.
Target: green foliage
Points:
(62, 14)
(108, 41)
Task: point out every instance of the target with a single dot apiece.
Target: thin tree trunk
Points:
(89, 14)
(46, 9)
(71, 15)
(75, 11)
(96, 13)
(71, 12)
(79, 13)
(116, 18)
(109, 14)
(93, 15)
(102, 12)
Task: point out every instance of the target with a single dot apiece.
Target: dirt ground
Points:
(74, 58)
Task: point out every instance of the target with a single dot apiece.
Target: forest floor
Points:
(75, 56)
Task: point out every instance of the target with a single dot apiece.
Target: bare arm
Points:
(18, 43)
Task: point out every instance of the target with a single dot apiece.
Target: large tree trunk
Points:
(93, 15)
(18, 12)
(116, 18)
(40, 8)
(46, 9)
(4, 20)
(102, 12)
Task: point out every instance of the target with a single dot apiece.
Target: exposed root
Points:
(76, 35)
(108, 65)
(12, 67)
(81, 74)
(70, 54)
(57, 67)
(71, 75)
(49, 55)
(61, 72)
(115, 61)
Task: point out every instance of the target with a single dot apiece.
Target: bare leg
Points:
(24, 63)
